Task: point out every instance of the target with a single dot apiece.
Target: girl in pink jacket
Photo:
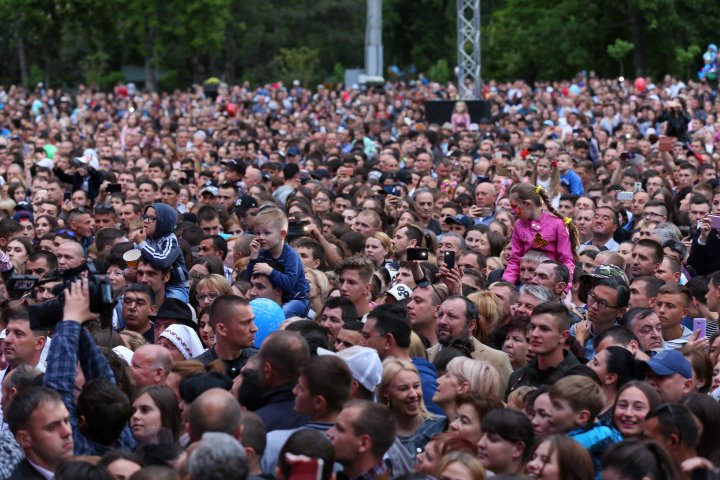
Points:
(537, 229)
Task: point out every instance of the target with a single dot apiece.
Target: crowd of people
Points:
(285, 282)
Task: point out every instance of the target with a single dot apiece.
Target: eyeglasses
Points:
(321, 199)
(149, 218)
(601, 304)
(208, 296)
(197, 276)
(653, 215)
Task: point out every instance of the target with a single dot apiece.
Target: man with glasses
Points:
(655, 211)
(606, 292)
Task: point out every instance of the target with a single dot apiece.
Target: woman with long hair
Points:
(559, 457)
(633, 402)
(401, 390)
(615, 366)
(155, 415)
(319, 288)
(507, 438)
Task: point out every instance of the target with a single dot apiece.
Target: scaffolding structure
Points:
(468, 49)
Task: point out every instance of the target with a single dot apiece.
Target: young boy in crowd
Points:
(576, 402)
(568, 175)
(269, 248)
(159, 247)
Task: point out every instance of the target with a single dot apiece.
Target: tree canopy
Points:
(179, 42)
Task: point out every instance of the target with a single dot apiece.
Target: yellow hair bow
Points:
(567, 221)
(538, 189)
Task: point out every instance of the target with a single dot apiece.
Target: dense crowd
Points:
(284, 282)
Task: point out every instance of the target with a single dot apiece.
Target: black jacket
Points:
(95, 179)
(25, 471)
(704, 259)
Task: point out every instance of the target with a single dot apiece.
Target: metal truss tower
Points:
(468, 49)
(373, 39)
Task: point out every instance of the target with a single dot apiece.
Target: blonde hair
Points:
(477, 471)
(417, 348)
(215, 283)
(482, 377)
(488, 306)
(383, 239)
(554, 176)
(272, 217)
(321, 280)
(391, 367)
(134, 339)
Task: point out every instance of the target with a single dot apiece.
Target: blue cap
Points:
(460, 219)
(293, 150)
(669, 362)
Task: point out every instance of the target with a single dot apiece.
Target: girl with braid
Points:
(544, 230)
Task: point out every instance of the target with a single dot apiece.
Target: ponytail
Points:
(572, 231)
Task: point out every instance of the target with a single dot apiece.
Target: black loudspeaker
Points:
(440, 111)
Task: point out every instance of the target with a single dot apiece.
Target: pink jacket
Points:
(547, 234)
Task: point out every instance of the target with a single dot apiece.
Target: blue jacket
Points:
(428, 378)
(163, 251)
(596, 438)
(292, 281)
(572, 180)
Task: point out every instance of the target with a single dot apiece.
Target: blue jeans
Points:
(179, 291)
(296, 308)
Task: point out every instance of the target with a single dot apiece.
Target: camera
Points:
(50, 312)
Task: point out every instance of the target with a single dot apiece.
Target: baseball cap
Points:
(211, 189)
(45, 163)
(460, 219)
(236, 165)
(588, 280)
(293, 151)
(669, 362)
(364, 364)
(245, 203)
(399, 292)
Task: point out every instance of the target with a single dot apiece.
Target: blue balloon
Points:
(268, 317)
(574, 89)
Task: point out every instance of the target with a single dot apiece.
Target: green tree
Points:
(298, 64)
(618, 51)
(686, 57)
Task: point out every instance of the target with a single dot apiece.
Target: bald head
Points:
(150, 365)
(215, 410)
(69, 255)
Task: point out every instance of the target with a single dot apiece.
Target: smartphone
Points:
(503, 171)
(113, 188)
(391, 190)
(67, 196)
(714, 221)
(664, 144)
(417, 254)
(624, 196)
(449, 259)
(700, 324)
(638, 187)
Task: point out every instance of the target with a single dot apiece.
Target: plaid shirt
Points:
(72, 342)
(378, 472)
(10, 454)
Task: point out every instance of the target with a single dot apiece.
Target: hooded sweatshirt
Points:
(163, 250)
